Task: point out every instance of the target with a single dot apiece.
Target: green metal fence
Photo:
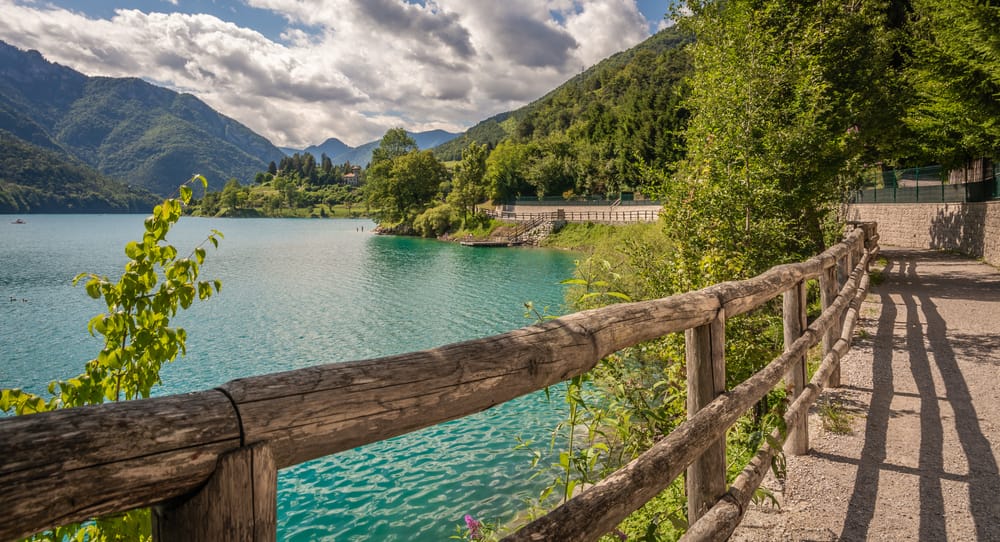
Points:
(926, 185)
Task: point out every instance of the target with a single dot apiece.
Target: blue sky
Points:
(300, 71)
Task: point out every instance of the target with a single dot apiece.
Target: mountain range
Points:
(124, 128)
(69, 142)
(340, 152)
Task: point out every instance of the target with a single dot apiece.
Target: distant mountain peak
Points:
(340, 152)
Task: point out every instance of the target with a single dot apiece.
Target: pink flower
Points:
(473, 526)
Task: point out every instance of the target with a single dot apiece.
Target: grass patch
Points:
(835, 419)
(875, 274)
(477, 230)
(875, 277)
(588, 236)
(813, 360)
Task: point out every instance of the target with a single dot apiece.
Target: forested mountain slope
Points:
(126, 128)
(34, 179)
(591, 134)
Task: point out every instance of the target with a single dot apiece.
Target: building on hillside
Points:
(354, 177)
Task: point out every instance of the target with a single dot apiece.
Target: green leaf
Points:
(133, 250)
(570, 487)
(93, 288)
(545, 493)
(564, 460)
(96, 323)
(619, 295)
(186, 193)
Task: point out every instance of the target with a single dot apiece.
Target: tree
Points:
(403, 186)
(507, 170)
(551, 170)
(395, 143)
(230, 196)
(272, 168)
(772, 144)
(955, 73)
(309, 168)
(435, 221)
(467, 187)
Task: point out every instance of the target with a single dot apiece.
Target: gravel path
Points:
(922, 385)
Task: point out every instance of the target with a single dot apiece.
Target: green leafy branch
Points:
(138, 340)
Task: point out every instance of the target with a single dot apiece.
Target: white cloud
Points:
(612, 25)
(344, 68)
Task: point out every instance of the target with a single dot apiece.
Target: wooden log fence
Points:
(207, 461)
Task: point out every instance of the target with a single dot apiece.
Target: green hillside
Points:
(592, 134)
(488, 132)
(38, 180)
(124, 127)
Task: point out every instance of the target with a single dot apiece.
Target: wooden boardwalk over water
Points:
(923, 389)
(488, 244)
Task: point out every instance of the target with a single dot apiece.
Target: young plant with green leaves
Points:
(138, 340)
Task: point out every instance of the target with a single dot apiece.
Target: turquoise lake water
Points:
(298, 293)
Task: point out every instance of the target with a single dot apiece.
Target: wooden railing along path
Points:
(520, 233)
(606, 217)
(207, 461)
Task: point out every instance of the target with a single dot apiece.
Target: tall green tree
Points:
(403, 186)
(232, 194)
(955, 74)
(507, 170)
(395, 143)
(467, 186)
(777, 128)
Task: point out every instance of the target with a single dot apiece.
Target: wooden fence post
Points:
(239, 503)
(828, 293)
(845, 266)
(705, 353)
(794, 310)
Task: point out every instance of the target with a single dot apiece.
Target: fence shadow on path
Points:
(928, 347)
(861, 508)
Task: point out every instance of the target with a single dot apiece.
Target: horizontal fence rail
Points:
(207, 461)
(596, 202)
(604, 217)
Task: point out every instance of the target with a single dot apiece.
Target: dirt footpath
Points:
(922, 389)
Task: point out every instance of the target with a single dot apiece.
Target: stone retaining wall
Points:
(970, 228)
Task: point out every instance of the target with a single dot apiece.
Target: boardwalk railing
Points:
(207, 461)
(558, 201)
(606, 217)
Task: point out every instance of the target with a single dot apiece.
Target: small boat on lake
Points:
(19, 221)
